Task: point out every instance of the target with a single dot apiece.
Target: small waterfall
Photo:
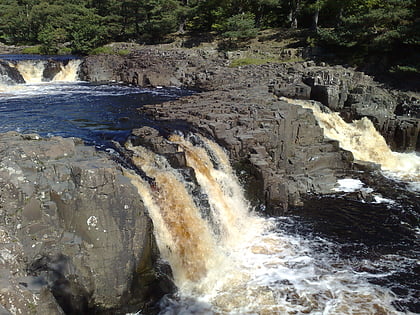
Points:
(68, 72)
(365, 142)
(184, 236)
(31, 70)
(229, 260)
(42, 70)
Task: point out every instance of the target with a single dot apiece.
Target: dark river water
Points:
(94, 113)
(377, 239)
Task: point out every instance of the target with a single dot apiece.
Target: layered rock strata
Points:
(75, 237)
(281, 145)
(395, 114)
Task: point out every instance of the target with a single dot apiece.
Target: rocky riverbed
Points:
(280, 145)
(75, 234)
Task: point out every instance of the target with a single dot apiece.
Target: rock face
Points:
(75, 238)
(356, 95)
(395, 114)
(280, 145)
(9, 75)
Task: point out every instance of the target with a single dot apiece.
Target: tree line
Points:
(362, 26)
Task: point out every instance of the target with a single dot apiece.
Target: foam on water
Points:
(366, 143)
(246, 265)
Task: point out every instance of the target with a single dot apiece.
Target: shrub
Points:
(103, 50)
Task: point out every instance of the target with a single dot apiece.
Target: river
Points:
(336, 255)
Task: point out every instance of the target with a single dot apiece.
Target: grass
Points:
(123, 52)
(260, 61)
(107, 50)
(32, 50)
(406, 69)
(103, 50)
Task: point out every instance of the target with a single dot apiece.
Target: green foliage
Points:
(374, 28)
(160, 17)
(32, 50)
(240, 26)
(50, 38)
(123, 52)
(356, 29)
(405, 69)
(103, 50)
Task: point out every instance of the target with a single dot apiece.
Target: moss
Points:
(107, 50)
(123, 52)
(406, 69)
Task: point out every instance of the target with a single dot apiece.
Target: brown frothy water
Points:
(190, 238)
(252, 268)
(364, 141)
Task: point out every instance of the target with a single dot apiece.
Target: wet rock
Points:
(52, 67)
(281, 145)
(9, 75)
(75, 236)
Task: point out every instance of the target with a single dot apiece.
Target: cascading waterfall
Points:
(229, 260)
(32, 71)
(365, 142)
(68, 72)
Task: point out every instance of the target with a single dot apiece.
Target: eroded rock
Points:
(75, 235)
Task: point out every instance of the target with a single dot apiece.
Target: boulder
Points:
(75, 235)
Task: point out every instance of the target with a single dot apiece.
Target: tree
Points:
(240, 26)
(50, 39)
(374, 28)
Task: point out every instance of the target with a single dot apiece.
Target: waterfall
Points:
(68, 72)
(229, 260)
(365, 142)
(42, 70)
(31, 70)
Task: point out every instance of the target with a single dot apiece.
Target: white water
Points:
(231, 261)
(32, 70)
(68, 72)
(366, 143)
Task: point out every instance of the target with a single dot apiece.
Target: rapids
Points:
(334, 257)
(232, 261)
(366, 143)
(55, 103)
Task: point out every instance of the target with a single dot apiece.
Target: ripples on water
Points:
(95, 113)
(331, 246)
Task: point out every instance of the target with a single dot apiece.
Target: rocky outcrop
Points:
(75, 237)
(153, 67)
(354, 94)
(281, 145)
(9, 75)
